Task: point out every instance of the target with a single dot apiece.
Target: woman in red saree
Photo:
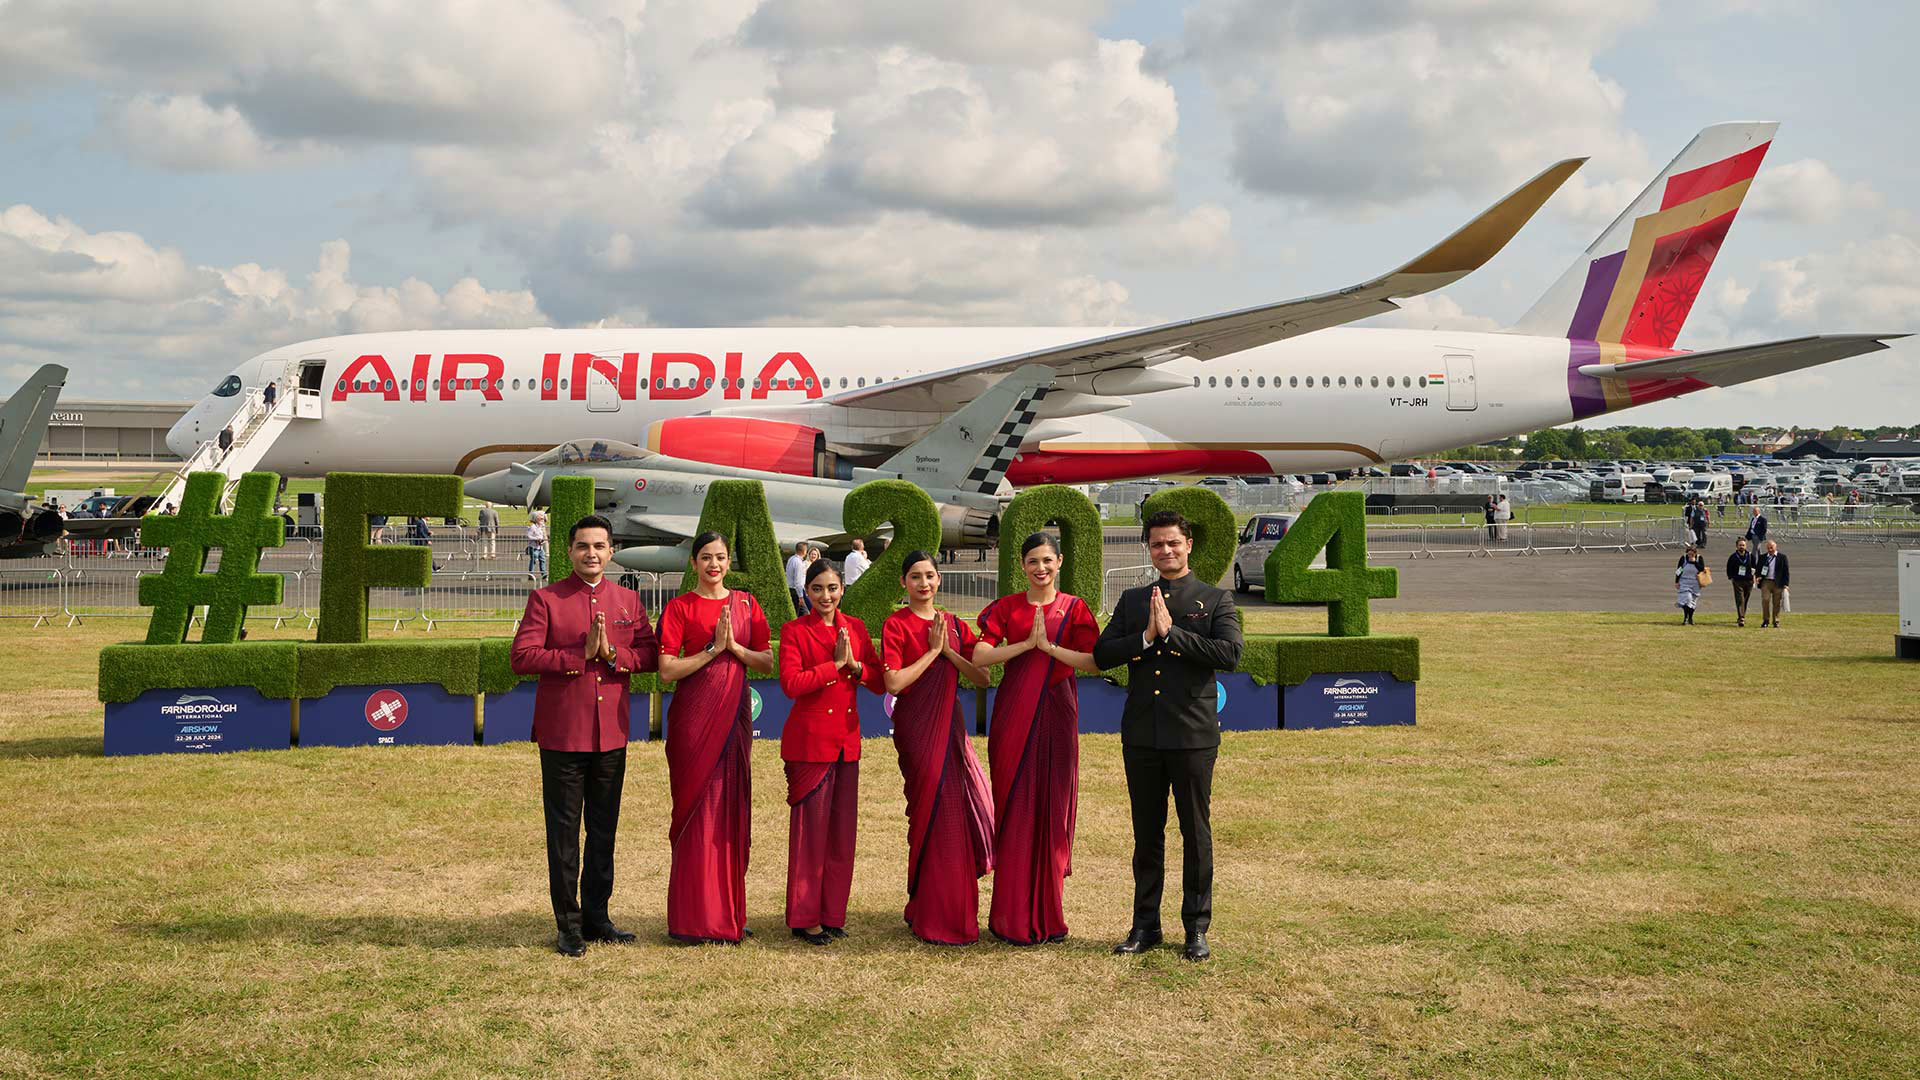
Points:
(924, 651)
(1033, 744)
(709, 638)
(825, 657)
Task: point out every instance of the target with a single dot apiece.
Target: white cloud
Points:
(185, 134)
(1810, 192)
(1365, 105)
(144, 316)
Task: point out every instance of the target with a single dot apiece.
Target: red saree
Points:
(949, 808)
(1033, 745)
(709, 744)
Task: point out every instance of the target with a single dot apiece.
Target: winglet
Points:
(1478, 240)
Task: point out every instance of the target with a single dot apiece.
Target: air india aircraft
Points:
(1279, 388)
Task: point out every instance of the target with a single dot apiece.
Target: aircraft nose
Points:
(501, 487)
(180, 438)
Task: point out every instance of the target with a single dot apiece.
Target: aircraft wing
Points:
(1744, 363)
(1229, 332)
(683, 526)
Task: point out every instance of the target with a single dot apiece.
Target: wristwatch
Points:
(711, 644)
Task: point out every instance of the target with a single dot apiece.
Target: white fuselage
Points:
(413, 401)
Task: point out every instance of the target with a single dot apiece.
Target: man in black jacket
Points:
(1740, 575)
(1757, 530)
(1173, 636)
(1770, 569)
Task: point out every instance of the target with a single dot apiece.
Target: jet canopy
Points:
(590, 452)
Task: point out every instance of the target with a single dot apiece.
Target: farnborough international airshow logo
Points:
(386, 709)
(198, 718)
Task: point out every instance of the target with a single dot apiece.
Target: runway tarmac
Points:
(1826, 577)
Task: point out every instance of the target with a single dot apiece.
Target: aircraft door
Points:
(311, 391)
(602, 394)
(1462, 393)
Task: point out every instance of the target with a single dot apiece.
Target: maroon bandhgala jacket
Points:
(582, 705)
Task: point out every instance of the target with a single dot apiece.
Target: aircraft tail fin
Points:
(971, 450)
(23, 424)
(1637, 282)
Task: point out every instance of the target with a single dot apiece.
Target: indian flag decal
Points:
(1437, 378)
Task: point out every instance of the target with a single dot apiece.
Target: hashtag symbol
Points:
(189, 536)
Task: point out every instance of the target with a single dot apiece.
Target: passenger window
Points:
(1211, 381)
(546, 384)
(1376, 380)
(1263, 382)
(1293, 380)
(1423, 381)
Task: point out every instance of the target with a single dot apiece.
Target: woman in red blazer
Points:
(824, 658)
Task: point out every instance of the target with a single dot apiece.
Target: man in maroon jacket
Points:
(583, 636)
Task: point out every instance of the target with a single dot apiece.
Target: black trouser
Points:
(1742, 592)
(1189, 773)
(568, 780)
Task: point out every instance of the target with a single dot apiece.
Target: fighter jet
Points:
(25, 530)
(654, 500)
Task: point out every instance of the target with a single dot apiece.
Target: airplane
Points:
(654, 500)
(1278, 388)
(26, 531)
(23, 427)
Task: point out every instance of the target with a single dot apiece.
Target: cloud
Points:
(145, 316)
(185, 134)
(1808, 191)
(1370, 104)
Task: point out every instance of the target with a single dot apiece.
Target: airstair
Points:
(255, 428)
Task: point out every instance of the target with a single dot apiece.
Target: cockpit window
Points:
(228, 387)
(589, 452)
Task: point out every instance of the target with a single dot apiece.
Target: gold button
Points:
(1156, 671)
(829, 710)
(1156, 693)
(598, 698)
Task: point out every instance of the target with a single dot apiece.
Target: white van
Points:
(1713, 486)
(1624, 488)
(1257, 538)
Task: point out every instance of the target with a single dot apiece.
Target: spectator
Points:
(378, 522)
(1771, 572)
(856, 562)
(489, 529)
(537, 544)
(1502, 513)
(1688, 576)
(1757, 529)
(226, 441)
(797, 577)
(269, 394)
(1695, 516)
(1740, 567)
(421, 533)
(1488, 511)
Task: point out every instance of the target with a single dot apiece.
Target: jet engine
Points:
(965, 527)
(46, 525)
(744, 442)
(11, 525)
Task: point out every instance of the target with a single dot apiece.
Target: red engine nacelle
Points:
(744, 443)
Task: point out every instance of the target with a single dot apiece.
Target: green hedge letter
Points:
(1048, 507)
(349, 566)
(916, 525)
(737, 510)
(1337, 521)
(1214, 533)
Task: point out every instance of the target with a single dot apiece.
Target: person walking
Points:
(226, 441)
(1173, 635)
(1489, 511)
(1770, 570)
(270, 394)
(1502, 513)
(585, 637)
(1033, 744)
(537, 545)
(924, 651)
(489, 529)
(1757, 530)
(709, 639)
(1740, 574)
(1688, 576)
(1696, 519)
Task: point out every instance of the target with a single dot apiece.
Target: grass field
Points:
(1612, 847)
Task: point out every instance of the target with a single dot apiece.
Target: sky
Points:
(185, 185)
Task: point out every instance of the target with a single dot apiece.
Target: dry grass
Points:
(1612, 847)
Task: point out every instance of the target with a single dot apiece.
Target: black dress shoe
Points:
(609, 933)
(835, 931)
(569, 943)
(1138, 941)
(1196, 947)
(821, 938)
